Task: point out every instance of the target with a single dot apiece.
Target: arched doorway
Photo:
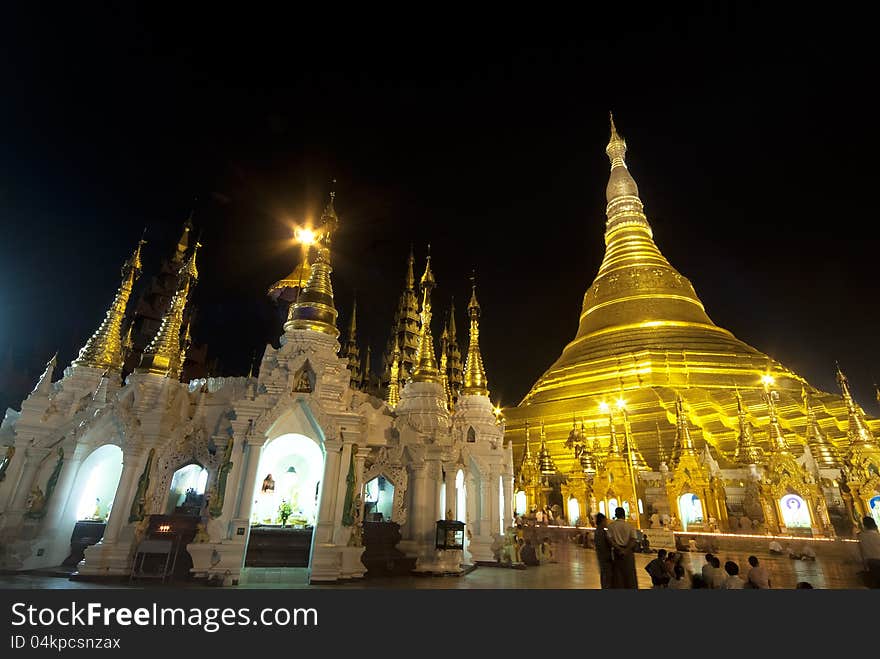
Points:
(574, 511)
(795, 513)
(285, 502)
(187, 492)
(521, 503)
(378, 499)
(690, 510)
(874, 508)
(91, 500)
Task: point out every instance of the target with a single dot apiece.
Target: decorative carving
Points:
(218, 490)
(4, 464)
(37, 508)
(138, 503)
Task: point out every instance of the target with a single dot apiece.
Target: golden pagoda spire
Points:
(824, 452)
(475, 382)
(183, 242)
(776, 436)
(613, 445)
(683, 441)
(746, 452)
(393, 395)
(365, 371)
(351, 351)
(104, 348)
(545, 462)
(164, 354)
(859, 435)
(410, 280)
(426, 365)
(444, 376)
(314, 309)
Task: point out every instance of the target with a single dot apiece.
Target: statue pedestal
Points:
(107, 560)
(444, 561)
(216, 559)
(352, 566)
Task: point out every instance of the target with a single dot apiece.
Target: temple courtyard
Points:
(837, 566)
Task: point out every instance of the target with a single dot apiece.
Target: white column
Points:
(246, 493)
(508, 501)
(419, 513)
(340, 537)
(133, 463)
(324, 528)
(451, 494)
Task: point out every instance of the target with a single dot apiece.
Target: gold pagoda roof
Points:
(644, 337)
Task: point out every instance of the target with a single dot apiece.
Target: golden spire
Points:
(746, 452)
(351, 351)
(183, 242)
(426, 366)
(527, 465)
(545, 461)
(824, 452)
(314, 309)
(475, 382)
(410, 279)
(444, 376)
(104, 348)
(164, 355)
(393, 396)
(613, 446)
(776, 436)
(858, 433)
(684, 443)
(661, 452)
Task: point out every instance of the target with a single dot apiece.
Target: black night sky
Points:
(752, 135)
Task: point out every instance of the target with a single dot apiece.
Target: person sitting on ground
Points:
(528, 555)
(807, 552)
(546, 551)
(669, 563)
(758, 576)
(692, 545)
(680, 581)
(657, 569)
(869, 548)
(717, 576)
(733, 580)
(804, 585)
(775, 547)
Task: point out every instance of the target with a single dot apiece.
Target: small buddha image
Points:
(268, 484)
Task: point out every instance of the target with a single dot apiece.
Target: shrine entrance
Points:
(91, 499)
(285, 502)
(187, 494)
(690, 511)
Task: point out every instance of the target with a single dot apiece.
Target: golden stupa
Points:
(645, 339)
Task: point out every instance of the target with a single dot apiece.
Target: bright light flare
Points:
(621, 404)
(768, 380)
(305, 235)
(603, 406)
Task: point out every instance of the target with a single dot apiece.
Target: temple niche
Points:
(289, 478)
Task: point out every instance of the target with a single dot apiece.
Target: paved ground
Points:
(576, 569)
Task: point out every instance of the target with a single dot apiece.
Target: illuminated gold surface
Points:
(166, 352)
(105, 348)
(644, 335)
(314, 309)
(405, 330)
(393, 395)
(475, 381)
(426, 364)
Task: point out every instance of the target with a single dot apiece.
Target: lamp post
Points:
(621, 405)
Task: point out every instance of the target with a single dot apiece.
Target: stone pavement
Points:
(576, 569)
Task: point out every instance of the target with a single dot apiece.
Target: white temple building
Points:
(301, 444)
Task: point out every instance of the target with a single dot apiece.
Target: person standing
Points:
(624, 541)
(602, 543)
(869, 547)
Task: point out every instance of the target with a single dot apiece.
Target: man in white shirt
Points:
(624, 540)
(733, 580)
(758, 576)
